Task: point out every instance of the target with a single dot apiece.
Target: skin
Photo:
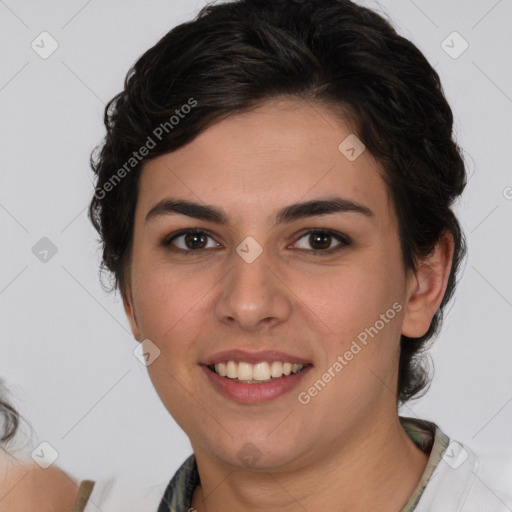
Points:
(345, 448)
(28, 487)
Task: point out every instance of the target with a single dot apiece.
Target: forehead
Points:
(281, 152)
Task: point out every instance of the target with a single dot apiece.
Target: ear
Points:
(129, 309)
(426, 288)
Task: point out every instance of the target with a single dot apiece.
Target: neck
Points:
(379, 469)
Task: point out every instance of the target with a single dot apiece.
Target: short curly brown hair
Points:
(235, 55)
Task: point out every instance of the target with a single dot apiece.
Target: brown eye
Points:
(189, 241)
(318, 241)
(195, 240)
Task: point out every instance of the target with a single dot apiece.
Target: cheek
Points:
(170, 308)
(362, 305)
(361, 351)
(350, 298)
(168, 299)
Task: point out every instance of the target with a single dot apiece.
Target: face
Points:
(263, 283)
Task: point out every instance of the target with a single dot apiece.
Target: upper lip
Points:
(253, 357)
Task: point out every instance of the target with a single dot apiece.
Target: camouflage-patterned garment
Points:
(426, 435)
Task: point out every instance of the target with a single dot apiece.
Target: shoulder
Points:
(470, 479)
(27, 487)
(491, 484)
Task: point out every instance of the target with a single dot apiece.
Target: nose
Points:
(253, 295)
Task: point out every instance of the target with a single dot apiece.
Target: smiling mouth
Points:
(258, 373)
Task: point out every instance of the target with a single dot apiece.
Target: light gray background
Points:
(66, 349)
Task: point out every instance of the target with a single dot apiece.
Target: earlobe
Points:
(130, 312)
(426, 288)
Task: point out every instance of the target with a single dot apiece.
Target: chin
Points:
(256, 453)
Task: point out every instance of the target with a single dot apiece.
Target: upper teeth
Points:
(259, 371)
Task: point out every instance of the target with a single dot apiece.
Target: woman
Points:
(274, 198)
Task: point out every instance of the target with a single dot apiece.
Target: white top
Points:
(465, 482)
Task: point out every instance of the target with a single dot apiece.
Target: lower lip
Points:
(254, 393)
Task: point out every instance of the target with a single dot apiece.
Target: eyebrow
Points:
(290, 213)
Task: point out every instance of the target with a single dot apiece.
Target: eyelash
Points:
(344, 240)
